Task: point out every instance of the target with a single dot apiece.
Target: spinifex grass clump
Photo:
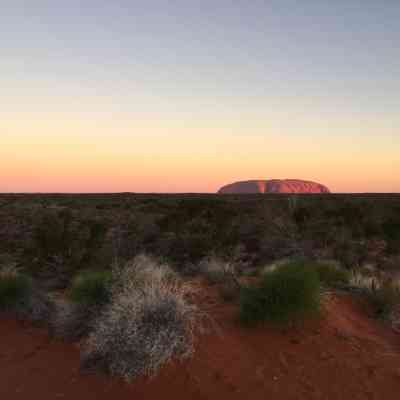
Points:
(289, 293)
(147, 322)
(91, 288)
(15, 288)
(221, 273)
(216, 270)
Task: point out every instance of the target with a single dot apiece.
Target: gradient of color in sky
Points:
(185, 96)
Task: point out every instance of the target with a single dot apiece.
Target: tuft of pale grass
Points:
(9, 270)
(383, 294)
(217, 270)
(147, 323)
(364, 282)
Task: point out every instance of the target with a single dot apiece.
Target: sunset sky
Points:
(186, 96)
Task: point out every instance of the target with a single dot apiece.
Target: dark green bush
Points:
(330, 275)
(20, 296)
(384, 299)
(14, 290)
(91, 288)
(289, 293)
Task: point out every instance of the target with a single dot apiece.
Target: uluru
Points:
(274, 186)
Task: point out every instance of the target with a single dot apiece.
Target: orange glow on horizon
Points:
(178, 156)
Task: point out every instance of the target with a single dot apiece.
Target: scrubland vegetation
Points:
(147, 322)
(15, 288)
(116, 271)
(286, 294)
(91, 288)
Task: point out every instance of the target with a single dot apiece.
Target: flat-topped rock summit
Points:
(274, 186)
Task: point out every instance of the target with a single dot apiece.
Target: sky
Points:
(186, 96)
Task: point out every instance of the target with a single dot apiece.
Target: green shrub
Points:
(289, 293)
(88, 296)
(19, 295)
(91, 288)
(331, 275)
(14, 290)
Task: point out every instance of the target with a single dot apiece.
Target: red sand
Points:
(344, 356)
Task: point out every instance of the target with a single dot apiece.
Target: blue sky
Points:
(262, 69)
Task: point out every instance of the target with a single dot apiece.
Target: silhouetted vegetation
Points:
(53, 237)
(15, 288)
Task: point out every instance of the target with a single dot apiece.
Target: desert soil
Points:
(346, 355)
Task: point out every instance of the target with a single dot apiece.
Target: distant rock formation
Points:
(274, 186)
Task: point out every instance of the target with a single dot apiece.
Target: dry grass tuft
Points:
(147, 323)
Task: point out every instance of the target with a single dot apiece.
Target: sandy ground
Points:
(346, 355)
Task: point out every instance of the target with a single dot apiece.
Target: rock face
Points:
(274, 186)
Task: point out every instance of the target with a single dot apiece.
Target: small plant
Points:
(384, 298)
(382, 293)
(91, 288)
(363, 281)
(15, 288)
(213, 269)
(218, 271)
(330, 275)
(88, 295)
(147, 322)
(222, 273)
(19, 295)
(289, 293)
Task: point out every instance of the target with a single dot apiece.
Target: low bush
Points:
(15, 288)
(89, 294)
(147, 322)
(217, 270)
(213, 269)
(382, 294)
(19, 295)
(384, 298)
(224, 274)
(91, 288)
(331, 275)
(289, 293)
(363, 281)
